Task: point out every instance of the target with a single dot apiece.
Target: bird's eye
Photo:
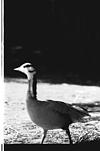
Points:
(31, 69)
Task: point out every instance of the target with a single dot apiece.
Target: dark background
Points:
(59, 37)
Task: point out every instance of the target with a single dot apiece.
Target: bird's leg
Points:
(68, 132)
(45, 132)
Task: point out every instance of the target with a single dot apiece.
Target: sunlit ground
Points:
(19, 129)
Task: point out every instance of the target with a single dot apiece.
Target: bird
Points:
(48, 114)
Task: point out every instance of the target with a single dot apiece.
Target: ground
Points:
(19, 129)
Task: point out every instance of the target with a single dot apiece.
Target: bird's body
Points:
(49, 114)
(44, 115)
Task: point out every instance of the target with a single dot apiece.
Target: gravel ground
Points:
(19, 129)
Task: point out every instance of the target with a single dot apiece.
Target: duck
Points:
(49, 114)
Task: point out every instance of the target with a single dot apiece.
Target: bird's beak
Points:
(17, 69)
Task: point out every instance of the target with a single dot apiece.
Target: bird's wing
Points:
(59, 106)
(75, 112)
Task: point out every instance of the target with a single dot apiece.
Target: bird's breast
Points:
(45, 117)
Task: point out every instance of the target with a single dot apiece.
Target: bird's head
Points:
(27, 69)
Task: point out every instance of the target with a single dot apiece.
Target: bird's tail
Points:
(78, 113)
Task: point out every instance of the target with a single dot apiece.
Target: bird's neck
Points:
(32, 83)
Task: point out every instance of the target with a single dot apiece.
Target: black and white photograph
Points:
(51, 72)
